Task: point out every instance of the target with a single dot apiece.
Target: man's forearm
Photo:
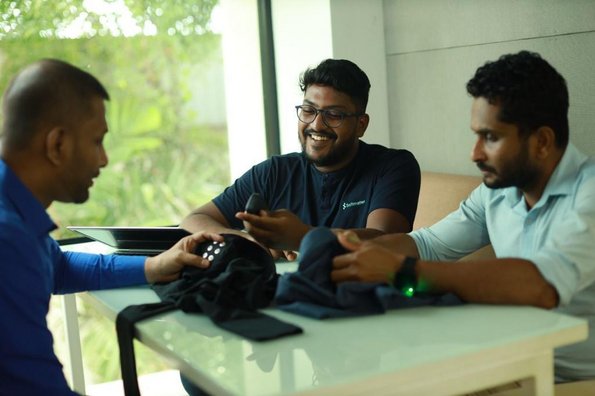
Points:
(496, 281)
(399, 243)
(195, 222)
(366, 233)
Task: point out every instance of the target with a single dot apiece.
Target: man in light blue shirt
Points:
(536, 207)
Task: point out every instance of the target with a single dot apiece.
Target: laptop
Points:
(146, 241)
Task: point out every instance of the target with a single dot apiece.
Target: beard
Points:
(335, 155)
(81, 197)
(76, 185)
(74, 197)
(519, 172)
(75, 194)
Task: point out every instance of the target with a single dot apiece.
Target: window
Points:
(162, 63)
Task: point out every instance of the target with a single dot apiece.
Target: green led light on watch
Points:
(405, 279)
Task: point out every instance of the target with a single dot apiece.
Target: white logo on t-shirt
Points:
(347, 205)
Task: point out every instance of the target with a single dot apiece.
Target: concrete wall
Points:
(433, 47)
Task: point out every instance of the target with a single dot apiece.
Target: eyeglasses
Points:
(331, 118)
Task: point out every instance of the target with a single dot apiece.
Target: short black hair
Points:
(530, 92)
(342, 75)
(45, 92)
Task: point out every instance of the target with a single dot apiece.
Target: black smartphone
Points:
(256, 203)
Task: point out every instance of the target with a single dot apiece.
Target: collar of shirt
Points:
(561, 181)
(25, 205)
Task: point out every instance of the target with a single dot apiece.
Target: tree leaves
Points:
(159, 100)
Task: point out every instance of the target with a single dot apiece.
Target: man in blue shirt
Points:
(52, 149)
(337, 180)
(536, 207)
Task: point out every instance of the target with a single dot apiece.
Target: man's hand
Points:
(288, 255)
(367, 261)
(279, 229)
(167, 266)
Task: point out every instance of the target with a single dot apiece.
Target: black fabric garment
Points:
(125, 329)
(241, 279)
(310, 291)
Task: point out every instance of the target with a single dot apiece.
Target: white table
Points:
(421, 351)
(418, 351)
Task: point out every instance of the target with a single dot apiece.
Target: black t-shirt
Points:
(378, 177)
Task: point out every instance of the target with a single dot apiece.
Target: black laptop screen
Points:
(134, 238)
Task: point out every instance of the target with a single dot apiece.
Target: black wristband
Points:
(405, 279)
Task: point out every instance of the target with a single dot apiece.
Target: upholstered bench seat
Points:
(440, 194)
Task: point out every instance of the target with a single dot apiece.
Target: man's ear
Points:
(362, 124)
(55, 144)
(545, 141)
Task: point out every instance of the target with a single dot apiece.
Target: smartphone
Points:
(256, 203)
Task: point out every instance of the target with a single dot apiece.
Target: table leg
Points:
(73, 340)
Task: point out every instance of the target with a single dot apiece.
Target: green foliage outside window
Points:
(167, 145)
(163, 162)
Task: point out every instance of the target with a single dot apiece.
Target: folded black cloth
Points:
(310, 291)
(242, 278)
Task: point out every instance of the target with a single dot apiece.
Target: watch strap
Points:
(405, 278)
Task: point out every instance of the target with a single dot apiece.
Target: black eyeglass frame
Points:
(324, 112)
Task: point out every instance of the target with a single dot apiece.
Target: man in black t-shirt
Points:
(336, 181)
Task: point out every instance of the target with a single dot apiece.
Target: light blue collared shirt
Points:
(557, 235)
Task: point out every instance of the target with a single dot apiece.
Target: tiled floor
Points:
(164, 383)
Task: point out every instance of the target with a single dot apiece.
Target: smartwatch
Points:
(405, 279)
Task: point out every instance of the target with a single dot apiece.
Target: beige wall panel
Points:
(429, 108)
(421, 25)
(358, 35)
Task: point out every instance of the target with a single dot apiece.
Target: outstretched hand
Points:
(168, 265)
(278, 230)
(288, 255)
(366, 261)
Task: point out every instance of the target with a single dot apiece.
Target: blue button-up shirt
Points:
(32, 267)
(557, 234)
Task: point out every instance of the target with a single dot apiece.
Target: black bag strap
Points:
(247, 323)
(125, 329)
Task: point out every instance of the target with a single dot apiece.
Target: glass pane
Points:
(162, 64)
